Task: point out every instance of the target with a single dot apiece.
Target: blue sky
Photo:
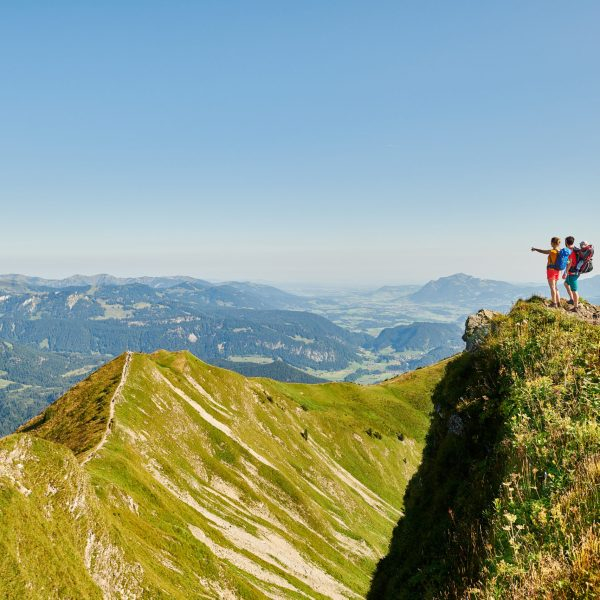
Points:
(316, 141)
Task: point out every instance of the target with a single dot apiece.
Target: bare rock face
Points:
(477, 327)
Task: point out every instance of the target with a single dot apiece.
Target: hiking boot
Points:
(569, 301)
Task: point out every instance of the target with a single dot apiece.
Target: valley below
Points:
(65, 328)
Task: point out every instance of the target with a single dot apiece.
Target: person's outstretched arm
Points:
(541, 251)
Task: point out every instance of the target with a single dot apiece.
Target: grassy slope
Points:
(53, 536)
(79, 417)
(506, 503)
(206, 487)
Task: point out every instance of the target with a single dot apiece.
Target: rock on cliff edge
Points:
(477, 326)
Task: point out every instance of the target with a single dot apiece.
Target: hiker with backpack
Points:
(557, 262)
(570, 246)
(580, 262)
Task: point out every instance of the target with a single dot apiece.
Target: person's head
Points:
(583, 244)
(569, 241)
(555, 242)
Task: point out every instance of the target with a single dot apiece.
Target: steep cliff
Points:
(506, 502)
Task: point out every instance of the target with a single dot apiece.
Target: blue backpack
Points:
(562, 260)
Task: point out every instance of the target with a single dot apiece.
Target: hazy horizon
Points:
(288, 285)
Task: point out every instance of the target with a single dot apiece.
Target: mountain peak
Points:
(471, 292)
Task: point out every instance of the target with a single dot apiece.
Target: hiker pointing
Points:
(557, 262)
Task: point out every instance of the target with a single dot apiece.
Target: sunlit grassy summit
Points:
(506, 502)
(162, 476)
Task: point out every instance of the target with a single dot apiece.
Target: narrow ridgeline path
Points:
(111, 414)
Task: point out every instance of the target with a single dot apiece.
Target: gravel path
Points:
(111, 415)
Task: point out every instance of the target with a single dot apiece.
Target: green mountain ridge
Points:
(162, 476)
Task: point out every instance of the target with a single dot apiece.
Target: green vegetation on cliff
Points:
(506, 503)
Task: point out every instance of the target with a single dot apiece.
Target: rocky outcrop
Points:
(477, 326)
(586, 312)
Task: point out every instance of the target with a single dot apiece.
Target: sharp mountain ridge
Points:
(162, 476)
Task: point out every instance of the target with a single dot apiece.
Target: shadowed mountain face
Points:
(421, 336)
(161, 476)
(505, 503)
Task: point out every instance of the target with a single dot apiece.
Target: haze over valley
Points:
(54, 332)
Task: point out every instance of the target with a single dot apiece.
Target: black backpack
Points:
(584, 260)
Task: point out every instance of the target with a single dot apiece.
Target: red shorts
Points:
(552, 274)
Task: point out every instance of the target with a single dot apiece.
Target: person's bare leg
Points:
(569, 291)
(551, 285)
(575, 300)
(555, 293)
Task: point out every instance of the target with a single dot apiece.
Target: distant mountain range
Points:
(112, 318)
(200, 292)
(27, 283)
(76, 323)
(473, 293)
(459, 289)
